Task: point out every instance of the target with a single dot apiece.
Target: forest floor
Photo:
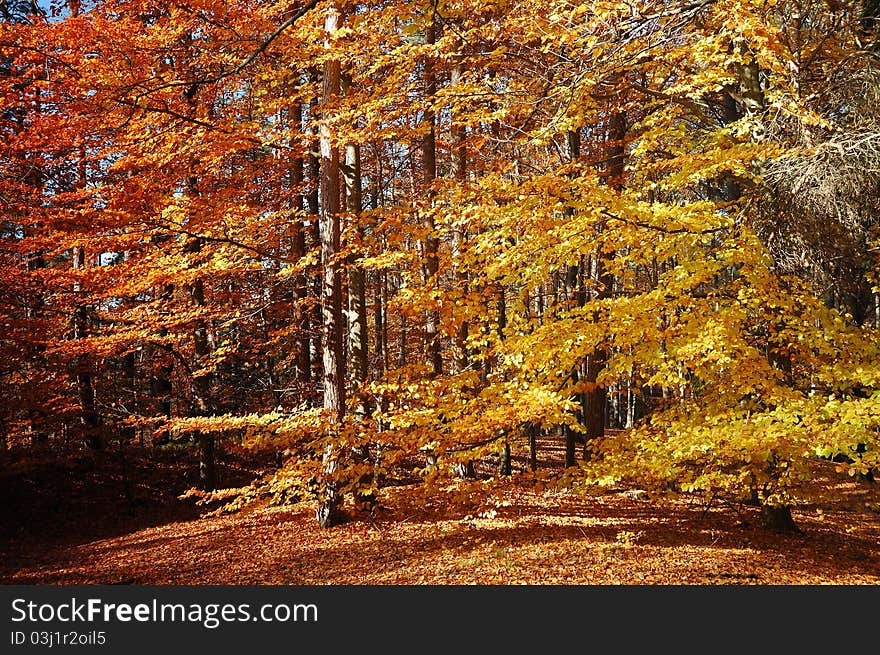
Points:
(70, 522)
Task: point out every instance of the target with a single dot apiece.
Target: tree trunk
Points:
(573, 146)
(778, 518)
(379, 320)
(161, 387)
(313, 167)
(401, 342)
(429, 174)
(358, 336)
(532, 429)
(596, 397)
(459, 172)
(505, 466)
(90, 421)
(298, 247)
(200, 404)
(460, 358)
(328, 512)
(201, 382)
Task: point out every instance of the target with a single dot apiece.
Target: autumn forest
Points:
(359, 262)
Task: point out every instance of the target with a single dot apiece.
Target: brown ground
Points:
(71, 524)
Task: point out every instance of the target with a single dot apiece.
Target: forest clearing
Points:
(330, 291)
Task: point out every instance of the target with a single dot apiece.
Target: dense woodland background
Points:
(438, 236)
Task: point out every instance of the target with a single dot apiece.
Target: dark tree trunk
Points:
(379, 319)
(570, 289)
(430, 262)
(90, 421)
(533, 446)
(778, 518)
(505, 466)
(460, 358)
(201, 383)
(401, 341)
(570, 443)
(596, 398)
(161, 388)
(200, 387)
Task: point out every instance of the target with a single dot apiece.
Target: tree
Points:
(331, 292)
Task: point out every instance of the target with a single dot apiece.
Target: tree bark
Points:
(358, 333)
(200, 404)
(201, 382)
(596, 398)
(358, 336)
(460, 358)
(90, 421)
(298, 247)
(161, 386)
(573, 147)
(778, 518)
(505, 466)
(313, 167)
(532, 431)
(328, 512)
(459, 237)
(429, 174)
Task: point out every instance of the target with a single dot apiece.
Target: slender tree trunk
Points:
(313, 167)
(460, 359)
(596, 398)
(358, 335)
(505, 466)
(379, 321)
(298, 247)
(201, 389)
(328, 513)
(573, 145)
(459, 237)
(90, 421)
(201, 382)
(128, 368)
(401, 342)
(533, 429)
(161, 387)
(429, 174)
